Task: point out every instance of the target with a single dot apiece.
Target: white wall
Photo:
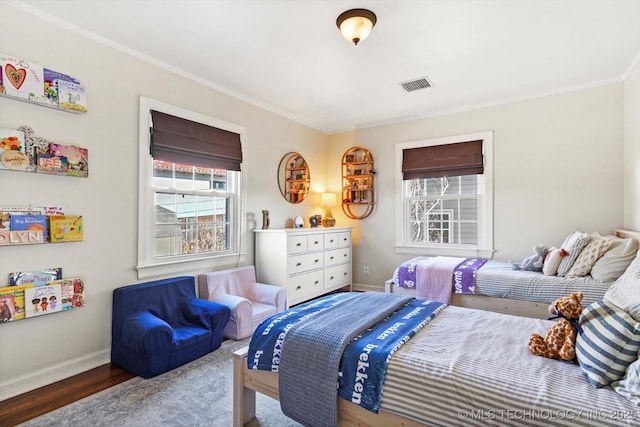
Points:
(34, 352)
(632, 148)
(557, 167)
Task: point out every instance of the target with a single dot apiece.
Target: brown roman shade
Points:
(182, 141)
(460, 158)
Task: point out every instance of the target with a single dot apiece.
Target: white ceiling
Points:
(288, 56)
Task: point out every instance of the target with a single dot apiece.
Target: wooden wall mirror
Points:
(293, 177)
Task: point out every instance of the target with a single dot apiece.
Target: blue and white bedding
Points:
(496, 279)
(363, 363)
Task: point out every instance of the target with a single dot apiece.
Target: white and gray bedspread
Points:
(496, 279)
(471, 367)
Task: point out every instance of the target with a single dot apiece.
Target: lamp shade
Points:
(356, 24)
(328, 200)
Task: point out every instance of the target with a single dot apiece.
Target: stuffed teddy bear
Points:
(533, 262)
(560, 341)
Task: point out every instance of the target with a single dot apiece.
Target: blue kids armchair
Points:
(158, 326)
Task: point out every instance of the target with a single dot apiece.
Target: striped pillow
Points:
(574, 244)
(609, 343)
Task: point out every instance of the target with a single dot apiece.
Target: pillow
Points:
(552, 261)
(625, 292)
(615, 261)
(574, 243)
(596, 247)
(608, 344)
(629, 386)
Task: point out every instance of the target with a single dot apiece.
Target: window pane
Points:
(191, 224)
(442, 210)
(186, 177)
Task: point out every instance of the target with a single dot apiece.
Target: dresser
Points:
(308, 262)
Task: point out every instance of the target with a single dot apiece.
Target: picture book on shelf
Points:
(51, 79)
(77, 158)
(35, 277)
(22, 79)
(71, 96)
(29, 222)
(47, 163)
(65, 228)
(72, 290)
(42, 300)
(7, 308)
(12, 150)
(15, 294)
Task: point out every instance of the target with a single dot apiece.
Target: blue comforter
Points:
(364, 362)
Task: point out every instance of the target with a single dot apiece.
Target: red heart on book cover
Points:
(16, 75)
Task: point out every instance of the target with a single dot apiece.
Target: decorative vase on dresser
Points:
(308, 262)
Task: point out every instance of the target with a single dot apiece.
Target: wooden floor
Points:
(34, 403)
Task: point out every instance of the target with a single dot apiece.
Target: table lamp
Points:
(328, 200)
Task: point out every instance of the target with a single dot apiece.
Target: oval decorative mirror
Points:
(293, 177)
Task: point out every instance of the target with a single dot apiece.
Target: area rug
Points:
(197, 394)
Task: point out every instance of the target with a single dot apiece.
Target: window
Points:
(445, 206)
(189, 214)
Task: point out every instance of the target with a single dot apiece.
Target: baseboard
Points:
(364, 287)
(51, 374)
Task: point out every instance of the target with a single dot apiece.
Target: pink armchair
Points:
(250, 302)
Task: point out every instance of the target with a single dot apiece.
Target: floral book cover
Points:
(77, 158)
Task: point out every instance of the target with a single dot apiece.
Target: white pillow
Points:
(615, 261)
(574, 243)
(625, 292)
(596, 247)
(629, 386)
(552, 261)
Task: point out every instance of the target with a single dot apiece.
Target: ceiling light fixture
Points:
(356, 24)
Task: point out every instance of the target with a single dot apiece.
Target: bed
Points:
(523, 293)
(447, 375)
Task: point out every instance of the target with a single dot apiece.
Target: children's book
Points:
(22, 79)
(55, 165)
(65, 228)
(29, 222)
(43, 300)
(51, 79)
(72, 290)
(35, 277)
(7, 307)
(77, 158)
(71, 96)
(14, 298)
(12, 150)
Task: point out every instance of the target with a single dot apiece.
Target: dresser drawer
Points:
(297, 244)
(338, 275)
(304, 285)
(331, 240)
(301, 263)
(337, 256)
(344, 240)
(315, 242)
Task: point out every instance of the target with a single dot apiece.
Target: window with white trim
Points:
(190, 216)
(450, 214)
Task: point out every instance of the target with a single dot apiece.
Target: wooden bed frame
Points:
(521, 308)
(246, 382)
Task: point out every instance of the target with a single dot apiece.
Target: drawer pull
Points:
(316, 282)
(344, 274)
(316, 242)
(331, 257)
(331, 240)
(298, 287)
(316, 261)
(344, 255)
(298, 264)
(331, 278)
(298, 244)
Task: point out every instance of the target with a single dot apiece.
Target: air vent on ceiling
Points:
(415, 84)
